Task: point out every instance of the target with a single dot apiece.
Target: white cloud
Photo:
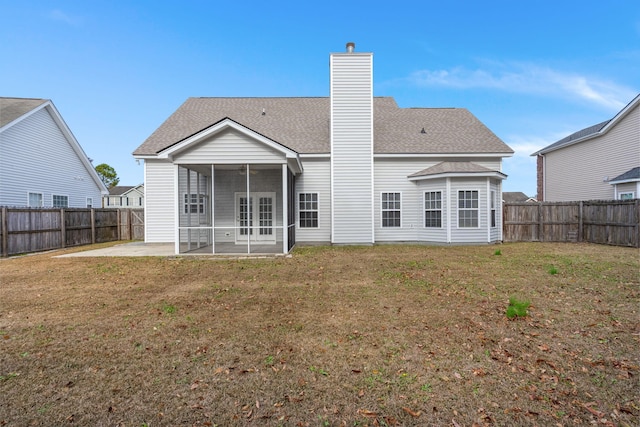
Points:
(58, 15)
(530, 79)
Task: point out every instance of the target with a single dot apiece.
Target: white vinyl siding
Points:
(230, 147)
(316, 178)
(495, 233)
(160, 200)
(352, 147)
(469, 234)
(36, 157)
(580, 171)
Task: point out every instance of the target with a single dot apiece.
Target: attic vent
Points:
(263, 112)
(350, 47)
(423, 131)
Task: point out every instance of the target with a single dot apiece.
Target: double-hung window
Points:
(433, 209)
(60, 201)
(391, 212)
(468, 209)
(194, 203)
(308, 210)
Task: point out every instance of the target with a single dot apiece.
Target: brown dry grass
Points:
(384, 335)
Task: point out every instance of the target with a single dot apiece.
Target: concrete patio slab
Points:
(127, 249)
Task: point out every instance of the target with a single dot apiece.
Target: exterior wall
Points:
(495, 233)
(468, 235)
(391, 176)
(628, 187)
(36, 157)
(580, 171)
(160, 200)
(352, 147)
(229, 146)
(316, 178)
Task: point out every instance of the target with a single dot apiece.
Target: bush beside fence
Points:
(25, 230)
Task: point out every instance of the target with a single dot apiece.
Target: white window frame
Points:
(90, 202)
(384, 209)
(29, 199)
(431, 208)
(308, 209)
(626, 195)
(469, 207)
(192, 205)
(53, 198)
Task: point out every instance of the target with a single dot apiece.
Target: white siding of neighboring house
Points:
(316, 178)
(35, 156)
(352, 147)
(230, 147)
(160, 200)
(580, 171)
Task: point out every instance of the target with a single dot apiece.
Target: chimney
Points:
(352, 146)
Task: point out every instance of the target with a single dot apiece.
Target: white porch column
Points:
(285, 209)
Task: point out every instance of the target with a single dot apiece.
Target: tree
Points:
(108, 175)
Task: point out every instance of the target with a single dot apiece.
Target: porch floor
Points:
(236, 249)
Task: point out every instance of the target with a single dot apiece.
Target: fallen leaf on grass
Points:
(412, 413)
(367, 413)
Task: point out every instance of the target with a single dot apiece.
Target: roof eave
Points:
(491, 174)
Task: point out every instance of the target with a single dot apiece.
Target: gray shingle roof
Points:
(452, 167)
(302, 124)
(628, 175)
(12, 108)
(514, 196)
(119, 190)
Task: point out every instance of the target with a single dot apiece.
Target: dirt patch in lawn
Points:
(340, 336)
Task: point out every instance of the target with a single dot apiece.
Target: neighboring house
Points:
(595, 163)
(124, 196)
(41, 163)
(247, 175)
(516, 197)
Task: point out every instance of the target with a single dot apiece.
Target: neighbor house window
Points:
(60, 201)
(629, 195)
(194, 204)
(493, 208)
(433, 209)
(89, 202)
(467, 209)
(35, 200)
(308, 210)
(391, 210)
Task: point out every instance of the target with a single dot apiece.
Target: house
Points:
(516, 197)
(250, 175)
(598, 162)
(124, 196)
(41, 162)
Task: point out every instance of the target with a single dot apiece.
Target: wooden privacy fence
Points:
(611, 222)
(24, 230)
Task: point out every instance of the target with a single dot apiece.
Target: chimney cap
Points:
(350, 47)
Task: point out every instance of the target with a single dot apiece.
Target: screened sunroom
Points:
(235, 209)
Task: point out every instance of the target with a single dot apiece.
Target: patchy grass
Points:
(383, 335)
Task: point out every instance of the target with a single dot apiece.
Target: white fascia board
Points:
(498, 175)
(75, 145)
(438, 155)
(624, 181)
(315, 155)
(218, 127)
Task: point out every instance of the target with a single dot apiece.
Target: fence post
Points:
(63, 229)
(118, 220)
(130, 223)
(540, 233)
(637, 224)
(5, 232)
(580, 221)
(93, 226)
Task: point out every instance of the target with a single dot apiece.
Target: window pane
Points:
(308, 210)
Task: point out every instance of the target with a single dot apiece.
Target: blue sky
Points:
(532, 71)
